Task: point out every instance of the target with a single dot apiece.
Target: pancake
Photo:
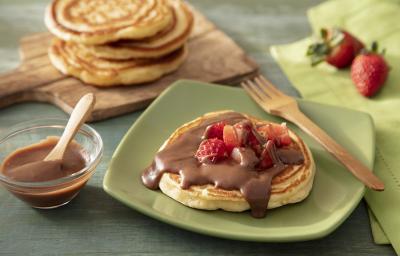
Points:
(69, 59)
(101, 21)
(164, 42)
(291, 185)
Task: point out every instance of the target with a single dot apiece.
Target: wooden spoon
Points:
(78, 116)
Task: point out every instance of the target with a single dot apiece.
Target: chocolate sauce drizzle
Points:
(255, 185)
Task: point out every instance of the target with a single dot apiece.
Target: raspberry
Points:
(211, 151)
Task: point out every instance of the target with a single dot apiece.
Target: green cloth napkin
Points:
(369, 20)
(377, 232)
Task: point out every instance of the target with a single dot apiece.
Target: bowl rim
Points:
(54, 123)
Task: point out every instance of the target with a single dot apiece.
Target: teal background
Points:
(94, 223)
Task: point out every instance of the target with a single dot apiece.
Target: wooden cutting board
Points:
(213, 57)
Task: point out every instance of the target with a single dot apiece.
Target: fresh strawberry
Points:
(211, 151)
(338, 47)
(358, 45)
(214, 131)
(369, 71)
(231, 138)
(279, 134)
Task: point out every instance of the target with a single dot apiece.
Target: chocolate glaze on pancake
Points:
(255, 185)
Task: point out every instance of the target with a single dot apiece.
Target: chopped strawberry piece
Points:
(244, 124)
(230, 138)
(283, 134)
(248, 136)
(285, 140)
(211, 151)
(254, 143)
(279, 134)
(214, 131)
(252, 139)
(243, 130)
(265, 160)
(266, 131)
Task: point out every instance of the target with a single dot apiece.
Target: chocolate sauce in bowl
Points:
(27, 165)
(255, 185)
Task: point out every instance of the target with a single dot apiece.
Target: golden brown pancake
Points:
(164, 42)
(292, 185)
(70, 59)
(101, 21)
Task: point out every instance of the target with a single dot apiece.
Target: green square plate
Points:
(334, 196)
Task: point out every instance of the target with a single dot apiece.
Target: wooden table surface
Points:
(94, 223)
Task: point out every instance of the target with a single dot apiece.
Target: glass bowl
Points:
(53, 193)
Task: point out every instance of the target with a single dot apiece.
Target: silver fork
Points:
(277, 103)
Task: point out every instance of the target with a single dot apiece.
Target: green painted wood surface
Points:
(94, 223)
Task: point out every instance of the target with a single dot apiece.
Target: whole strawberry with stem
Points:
(337, 47)
(369, 71)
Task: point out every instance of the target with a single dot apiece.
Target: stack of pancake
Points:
(118, 42)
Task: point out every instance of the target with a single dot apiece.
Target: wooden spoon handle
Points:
(78, 117)
(358, 169)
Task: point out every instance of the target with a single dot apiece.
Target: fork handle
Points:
(358, 169)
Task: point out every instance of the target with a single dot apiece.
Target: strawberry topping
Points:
(243, 129)
(265, 158)
(248, 136)
(243, 143)
(214, 131)
(279, 134)
(231, 138)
